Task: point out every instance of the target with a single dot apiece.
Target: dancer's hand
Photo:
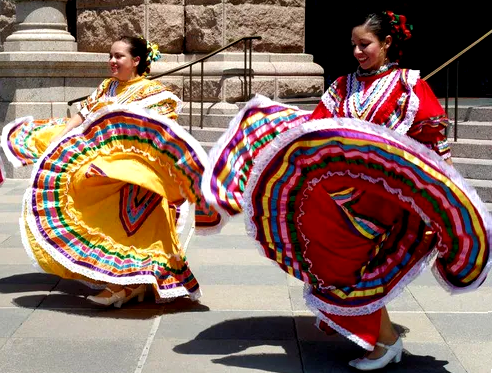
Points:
(75, 121)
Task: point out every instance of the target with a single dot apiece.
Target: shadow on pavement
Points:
(326, 354)
(69, 296)
(28, 282)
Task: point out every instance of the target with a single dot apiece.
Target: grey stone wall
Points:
(7, 19)
(213, 23)
(99, 22)
(192, 26)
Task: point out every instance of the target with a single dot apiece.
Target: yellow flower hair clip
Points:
(153, 52)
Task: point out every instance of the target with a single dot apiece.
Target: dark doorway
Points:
(441, 30)
(71, 11)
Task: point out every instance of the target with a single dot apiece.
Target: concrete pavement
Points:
(251, 318)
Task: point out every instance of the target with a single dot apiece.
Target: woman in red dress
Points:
(359, 197)
(382, 93)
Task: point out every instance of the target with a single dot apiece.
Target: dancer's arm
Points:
(430, 122)
(75, 121)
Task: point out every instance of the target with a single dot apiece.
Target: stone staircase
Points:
(471, 153)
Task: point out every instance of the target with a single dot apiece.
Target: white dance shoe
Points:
(108, 301)
(138, 292)
(118, 298)
(392, 355)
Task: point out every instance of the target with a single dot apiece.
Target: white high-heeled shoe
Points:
(135, 292)
(392, 355)
(116, 296)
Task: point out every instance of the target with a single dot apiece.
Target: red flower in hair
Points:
(398, 26)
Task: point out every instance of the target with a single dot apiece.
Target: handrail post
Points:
(446, 107)
(245, 67)
(191, 98)
(456, 104)
(201, 95)
(446, 101)
(250, 66)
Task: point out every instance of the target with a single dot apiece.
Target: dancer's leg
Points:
(387, 335)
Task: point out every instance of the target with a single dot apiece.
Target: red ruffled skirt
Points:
(354, 210)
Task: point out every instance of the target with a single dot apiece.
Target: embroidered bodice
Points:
(386, 98)
(391, 97)
(142, 92)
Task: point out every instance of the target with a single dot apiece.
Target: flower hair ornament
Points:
(153, 54)
(399, 28)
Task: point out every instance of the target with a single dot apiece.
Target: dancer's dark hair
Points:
(139, 47)
(388, 23)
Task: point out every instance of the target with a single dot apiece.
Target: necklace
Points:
(381, 70)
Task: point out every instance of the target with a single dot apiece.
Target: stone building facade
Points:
(53, 51)
(187, 29)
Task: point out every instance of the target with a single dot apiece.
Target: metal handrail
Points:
(458, 55)
(248, 41)
(211, 54)
(452, 59)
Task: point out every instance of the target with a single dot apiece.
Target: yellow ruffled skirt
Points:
(104, 201)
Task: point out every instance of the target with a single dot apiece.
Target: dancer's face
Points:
(122, 64)
(369, 51)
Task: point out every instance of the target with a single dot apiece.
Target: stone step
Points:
(210, 108)
(209, 121)
(207, 134)
(489, 207)
(304, 103)
(307, 107)
(472, 168)
(471, 148)
(471, 113)
(483, 188)
(219, 115)
(472, 130)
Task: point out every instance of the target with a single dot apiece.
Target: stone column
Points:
(40, 69)
(40, 26)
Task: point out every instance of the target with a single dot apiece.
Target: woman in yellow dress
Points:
(107, 184)
(25, 139)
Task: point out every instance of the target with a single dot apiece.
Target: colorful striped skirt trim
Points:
(232, 157)
(104, 202)
(356, 211)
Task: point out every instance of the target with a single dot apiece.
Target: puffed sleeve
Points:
(430, 121)
(157, 96)
(86, 106)
(329, 101)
